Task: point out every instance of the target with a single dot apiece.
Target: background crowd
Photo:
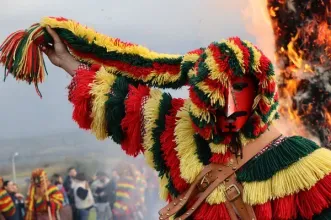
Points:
(129, 192)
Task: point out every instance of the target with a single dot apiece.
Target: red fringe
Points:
(206, 211)
(220, 158)
(264, 66)
(136, 71)
(196, 100)
(204, 132)
(223, 64)
(305, 204)
(131, 123)
(244, 50)
(168, 145)
(264, 107)
(263, 212)
(79, 96)
(285, 208)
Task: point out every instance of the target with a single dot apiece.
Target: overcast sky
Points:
(170, 26)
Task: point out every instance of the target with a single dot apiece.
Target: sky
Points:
(168, 26)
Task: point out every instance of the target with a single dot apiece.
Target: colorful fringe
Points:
(7, 207)
(208, 72)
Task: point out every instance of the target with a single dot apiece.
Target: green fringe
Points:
(325, 215)
(289, 151)
(270, 71)
(203, 150)
(83, 46)
(251, 58)
(115, 109)
(182, 212)
(171, 187)
(233, 61)
(164, 107)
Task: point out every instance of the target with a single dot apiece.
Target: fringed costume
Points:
(42, 205)
(117, 96)
(7, 207)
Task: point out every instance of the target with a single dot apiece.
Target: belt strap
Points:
(213, 175)
(233, 192)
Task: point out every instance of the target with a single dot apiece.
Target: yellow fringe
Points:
(217, 196)
(151, 114)
(190, 57)
(200, 113)
(215, 74)
(238, 52)
(100, 87)
(153, 77)
(218, 148)
(216, 96)
(190, 166)
(163, 189)
(257, 56)
(300, 176)
(111, 44)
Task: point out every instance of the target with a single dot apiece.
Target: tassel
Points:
(131, 123)
(21, 55)
(263, 211)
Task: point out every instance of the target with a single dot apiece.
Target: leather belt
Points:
(215, 174)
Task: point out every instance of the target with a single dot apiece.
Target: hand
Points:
(19, 196)
(58, 53)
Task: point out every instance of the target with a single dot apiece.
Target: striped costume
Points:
(52, 198)
(7, 207)
(118, 97)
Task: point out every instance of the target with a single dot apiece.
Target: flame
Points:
(301, 46)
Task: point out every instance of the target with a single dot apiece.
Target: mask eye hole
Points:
(239, 86)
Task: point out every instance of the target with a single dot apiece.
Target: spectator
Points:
(9, 186)
(21, 201)
(58, 181)
(105, 196)
(68, 187)
(66, 211)
(7, 207)
(84, 200)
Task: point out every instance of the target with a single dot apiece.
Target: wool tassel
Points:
(22, 56)
(285, 208)
(215, 211)
(80, 97)
(263, 211)
(131, 123)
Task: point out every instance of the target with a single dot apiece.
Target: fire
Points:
(302, 46)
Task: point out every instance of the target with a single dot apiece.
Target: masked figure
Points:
(217, 153)
(44, 199)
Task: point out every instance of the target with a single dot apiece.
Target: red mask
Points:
(238, 104)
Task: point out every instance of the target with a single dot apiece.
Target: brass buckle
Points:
(205, 182)
(228, 189)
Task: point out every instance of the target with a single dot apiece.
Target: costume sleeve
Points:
(291, 180)
(55, 198)
(140, 119)
(7, 207)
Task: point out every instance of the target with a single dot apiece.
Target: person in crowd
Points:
(67, 184)
(66, 211)
(104, 196)
(126, 193)
(21, 201)
(83, 197)
(44, 199)
(58, 181)
(7, 207)
(16, 197)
